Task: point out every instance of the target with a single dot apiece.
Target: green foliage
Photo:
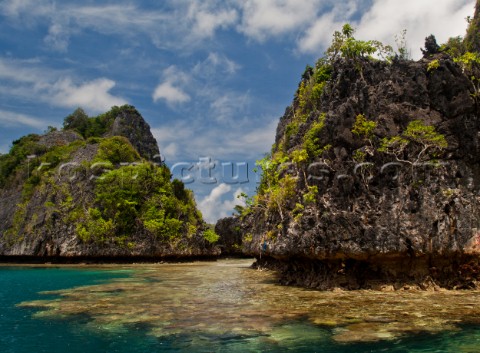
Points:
(249, 204)
(291, 130)
(363, 127)
(402, 49)
(359, 156)
(423, 134)
(210, 236)
(95, 227)
(454, 47)
(433, 65)
(322, 72)
(317, 91)
(116, 150)
(299, 157)
(95, 126)
(13, 234)
(347, 30)
(271, 166)
(416, 133)
(346, 46)
(278, 195)
(312, 142)
(311, 196)
(353, 48)
(77, 121)
(472, 39)
(303, 95)
(16, 160)
(393, 145)
(139, 196)
(297, 212)
(468, 61)
(431, 46)
(50, 129)
(59, 154)
(311, 88)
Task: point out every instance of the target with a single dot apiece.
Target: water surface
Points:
(220, 306)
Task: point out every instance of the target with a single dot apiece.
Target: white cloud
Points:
(265, 18)
(179, 24)
(28, 79)
(186, 25)
(12, 119)
(214, 64)
(193, 139)
(170, 89)
(92, 95)
(386, 18)
(319, 33)
(170, 93)
(208, 17)
(215, 206)
(227, 105)
(18, 9)
(58, 37)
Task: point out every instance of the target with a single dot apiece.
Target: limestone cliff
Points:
(92, 190)
(374, 177)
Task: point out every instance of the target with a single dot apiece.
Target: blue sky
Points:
(211, 77)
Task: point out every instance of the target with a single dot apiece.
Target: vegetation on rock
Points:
(374, 161)
(86, 191)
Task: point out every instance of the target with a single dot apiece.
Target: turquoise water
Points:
(66, 329)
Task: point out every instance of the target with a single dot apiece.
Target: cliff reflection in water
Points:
(229, 298)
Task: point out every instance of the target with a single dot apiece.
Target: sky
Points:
(212, 77)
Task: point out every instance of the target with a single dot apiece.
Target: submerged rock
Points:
(226, 298)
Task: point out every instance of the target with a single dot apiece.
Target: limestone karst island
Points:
(362, 235)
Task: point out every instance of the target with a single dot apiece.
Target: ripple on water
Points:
(227, 299)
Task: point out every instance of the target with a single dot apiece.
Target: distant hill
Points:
(96, 189)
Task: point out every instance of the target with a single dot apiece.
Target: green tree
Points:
(472, 39)
(422, 138)
(77, 121)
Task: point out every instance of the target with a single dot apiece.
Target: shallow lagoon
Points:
(220, 306)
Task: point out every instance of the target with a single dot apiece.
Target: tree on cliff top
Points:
(472, 39)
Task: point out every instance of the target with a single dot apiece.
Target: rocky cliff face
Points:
(64, 197)
(374, 178)
(131, 125)
(230, 232)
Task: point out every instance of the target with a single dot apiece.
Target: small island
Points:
(373, 181)
(97, 191)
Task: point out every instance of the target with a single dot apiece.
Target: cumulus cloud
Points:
(27, 79)
(319, 33)
(191, 140)
(207, 17)
(171, 89)
(385, 19)
(264, 18)
(93, 95)
(215, 205)
(170, 93)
